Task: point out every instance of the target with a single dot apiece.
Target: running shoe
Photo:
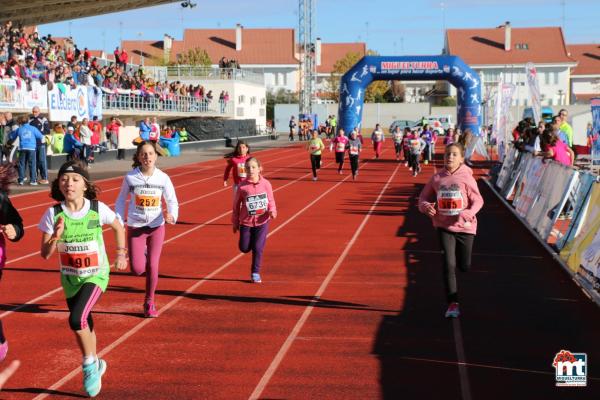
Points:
(314, 178)
(20, 183)
(92, 377)
(426, 162)
(150, 310)
(3, 350)
(43, 181)
(453, 311)
(255, 278)
(406, 163)
(33, 183)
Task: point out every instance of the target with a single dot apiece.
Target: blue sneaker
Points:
(255, 278)
(92, 377)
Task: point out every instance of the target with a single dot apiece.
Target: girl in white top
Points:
(145, 186)
(85, 137)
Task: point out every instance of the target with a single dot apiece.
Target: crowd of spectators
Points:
(28, 57)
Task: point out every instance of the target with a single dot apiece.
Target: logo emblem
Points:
(570, 368)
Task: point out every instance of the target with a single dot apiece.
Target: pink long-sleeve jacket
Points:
(457, 200)
(253, 202)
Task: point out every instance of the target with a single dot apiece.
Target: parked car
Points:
(438, 123)
(402, 123)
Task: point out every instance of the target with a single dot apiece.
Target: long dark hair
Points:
(91, 190)
(136, 161)
(8, 174)
(236, 151)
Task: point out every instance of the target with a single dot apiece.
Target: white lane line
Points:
(465, 385)
(168, 169)
(14, 309)
(264, 381)
(177, 299)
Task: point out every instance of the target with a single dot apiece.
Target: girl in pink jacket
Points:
(253, 207)
(451, 199)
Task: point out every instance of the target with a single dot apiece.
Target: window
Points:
(276, 78)
(252, 100)
(550, 101)
(284, 79)
(241, 99)
(556, 78)
(547, 78)
(262, 101)
(239, 111)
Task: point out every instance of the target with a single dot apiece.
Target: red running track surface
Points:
(351, 305)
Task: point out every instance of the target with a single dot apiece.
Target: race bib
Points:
(79, 259)
(398, 138)
(354, 150)
(414, 143)
(340, 147)
(257, 204)
(314, 147)
(378, 136)
(450, 202)
(147, 198)
(241, 168)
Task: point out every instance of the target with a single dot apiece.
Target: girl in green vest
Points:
(73, 227)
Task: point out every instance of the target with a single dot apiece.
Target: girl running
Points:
(11, 225)
(416, 145)
(253, 207)
(451, 199)
(145, 186)
(315, 147)
(339, 142)
(354, 149)
(378, 138)
(236, 161)
(74, 228)
(397, 136)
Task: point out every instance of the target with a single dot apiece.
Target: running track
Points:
(351, 306)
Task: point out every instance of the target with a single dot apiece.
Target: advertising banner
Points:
(530, 189)
(553, 198)
(534, 91)
(502, 123)
(579, 197)
(37, 96)
(95, 102)
(64, 102)
(507, 166)
(9, 97)
(573, 252)
(595, 134)
(554, 176)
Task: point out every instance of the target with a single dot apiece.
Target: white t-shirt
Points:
(145, 198)
(107, 216)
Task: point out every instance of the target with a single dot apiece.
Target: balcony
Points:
(181, 72)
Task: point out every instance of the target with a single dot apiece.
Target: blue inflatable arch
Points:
(410, 68)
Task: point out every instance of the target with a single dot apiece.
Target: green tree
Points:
(448, 101)
(376, 92)
(282, 96)
(195, 57)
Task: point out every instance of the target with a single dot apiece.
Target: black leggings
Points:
(315, 163)
(456, 252)
(413, 161)
(81, 306)
(354, 163)
(339, 159)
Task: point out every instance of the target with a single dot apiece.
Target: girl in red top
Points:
(237, 162)
(451, 199)
(339, 143)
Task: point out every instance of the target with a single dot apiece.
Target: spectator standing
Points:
(112, 134)
(145, 129)
(123, 58)
(28, 135)
(565, 127)
(42, 124)
(96, 128)
(85, 136)
(72, 146)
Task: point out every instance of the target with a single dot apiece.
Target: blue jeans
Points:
(41, 161)
(29, 157)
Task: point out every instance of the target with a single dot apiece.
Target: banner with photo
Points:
(554, 176)
(9, 96)
(595, 134)
(64, 102)
(580, 197)
(573, 251)
(37, 96)
(534, 91)
(95, 102)
(527, 160)
(502, 127)
(507, 166)
(553, 198)
(531, 186)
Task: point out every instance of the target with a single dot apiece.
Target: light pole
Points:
(140, 34)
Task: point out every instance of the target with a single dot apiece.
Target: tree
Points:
(282, 96)
(448, 101)
(376, 92)
(195, 57)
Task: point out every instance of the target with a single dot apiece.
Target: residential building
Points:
(504, 51)
(585, 78)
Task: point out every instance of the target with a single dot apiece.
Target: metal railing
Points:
(209, 73)
(174, 103)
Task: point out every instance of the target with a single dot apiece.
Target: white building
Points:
(504, 51)
(585, 78)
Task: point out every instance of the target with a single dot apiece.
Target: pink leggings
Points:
(145, 245)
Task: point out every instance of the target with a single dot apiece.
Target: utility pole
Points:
(563, 5)
(307, 50)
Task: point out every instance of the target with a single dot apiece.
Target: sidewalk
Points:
(115, 168)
